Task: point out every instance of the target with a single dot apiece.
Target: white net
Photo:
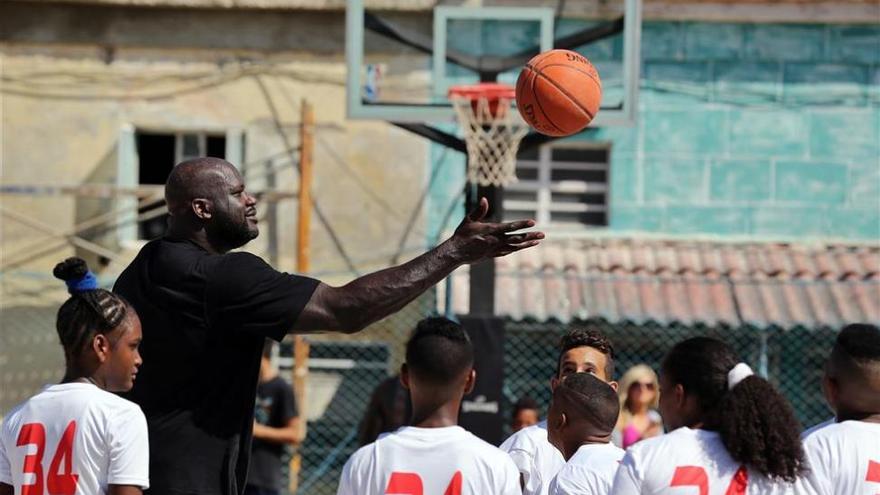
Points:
(493, 131)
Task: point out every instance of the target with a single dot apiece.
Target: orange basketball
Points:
(558, 92)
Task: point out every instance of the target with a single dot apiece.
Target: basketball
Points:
(558, 92)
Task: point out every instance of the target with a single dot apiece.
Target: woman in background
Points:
(639, 398)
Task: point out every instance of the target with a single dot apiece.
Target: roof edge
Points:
(604, 234)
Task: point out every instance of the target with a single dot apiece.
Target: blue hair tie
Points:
(85, 283)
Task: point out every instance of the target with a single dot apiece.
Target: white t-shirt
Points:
(844, 458)
(79, 429)
(535, 457)
(590, 471)
(686, 462)
(415, 461)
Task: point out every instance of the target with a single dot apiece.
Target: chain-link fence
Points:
(30, 354)
(344, 371)
(792, 359)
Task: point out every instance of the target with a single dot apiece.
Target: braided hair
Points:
(89, 310)
(756, 423)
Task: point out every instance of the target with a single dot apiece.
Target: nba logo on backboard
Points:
(371, 85)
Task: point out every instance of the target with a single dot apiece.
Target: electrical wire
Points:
(322, 218)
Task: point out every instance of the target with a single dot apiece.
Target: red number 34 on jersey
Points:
(56, 482)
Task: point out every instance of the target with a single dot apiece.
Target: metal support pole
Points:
(482, 280)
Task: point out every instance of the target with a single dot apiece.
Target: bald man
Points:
(206, 312)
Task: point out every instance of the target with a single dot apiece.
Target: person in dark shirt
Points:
(206, 312)
(276, 425)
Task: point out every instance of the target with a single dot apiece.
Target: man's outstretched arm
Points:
(353, 306)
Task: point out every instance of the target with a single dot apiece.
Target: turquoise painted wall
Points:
(749, 130)
(445, 201)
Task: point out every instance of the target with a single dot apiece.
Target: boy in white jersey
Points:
(844, 457)
(580, 423)
(581, 350)
(434, 455)
(732, 433)
(77, 438)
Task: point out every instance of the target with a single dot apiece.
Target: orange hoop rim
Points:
(489, 91)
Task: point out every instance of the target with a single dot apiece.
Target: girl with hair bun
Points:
(731, 432)
(76, 437)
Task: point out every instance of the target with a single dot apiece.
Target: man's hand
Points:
(372, 297)
(475, 240)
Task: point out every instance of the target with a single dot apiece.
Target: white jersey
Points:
(844, 458)
(686, 462)
(535, 457)
(429, 461)
(590, 471)
(76, 438)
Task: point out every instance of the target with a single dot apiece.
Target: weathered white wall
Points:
(65, 99)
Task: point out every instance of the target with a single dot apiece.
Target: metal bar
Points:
(384, 28)
(435, 135)
(98, 191)
(107, 191)
(43, 250)
(73, 239)
(492, 66)
(109, 218)
(591, 35)
(561, 186)
(566, 165)
(534, 139)
(632, 60)
(417, 41)
(482, 274)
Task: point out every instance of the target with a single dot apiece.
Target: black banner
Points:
(481, 409)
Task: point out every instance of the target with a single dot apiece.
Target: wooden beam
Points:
(300, 345)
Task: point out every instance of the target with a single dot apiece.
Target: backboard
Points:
(402, 62)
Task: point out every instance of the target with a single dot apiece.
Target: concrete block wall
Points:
(751, 130)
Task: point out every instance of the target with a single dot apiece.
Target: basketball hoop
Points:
(492, 130)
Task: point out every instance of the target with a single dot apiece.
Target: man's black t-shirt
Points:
(205, 318)
(276, 406)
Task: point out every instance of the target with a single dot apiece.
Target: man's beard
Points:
(225, 231)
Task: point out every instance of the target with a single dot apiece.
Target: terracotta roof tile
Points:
(691, 282)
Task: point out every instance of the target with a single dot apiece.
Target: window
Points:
(561, 186)
(157, 155)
